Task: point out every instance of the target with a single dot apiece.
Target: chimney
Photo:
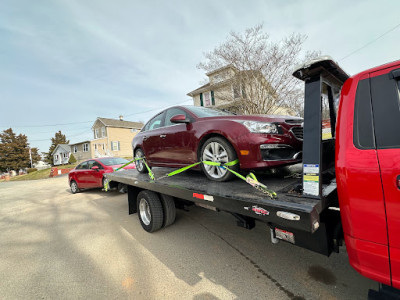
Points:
(121, 117)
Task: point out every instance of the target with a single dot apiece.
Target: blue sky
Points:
(68, 62)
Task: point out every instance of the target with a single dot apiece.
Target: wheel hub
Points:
(215, 152)
(144, 210)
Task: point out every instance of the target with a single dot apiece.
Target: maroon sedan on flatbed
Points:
(183, 135)
(89, 174)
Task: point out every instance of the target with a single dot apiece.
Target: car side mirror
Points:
(179, 119)
(96, 168)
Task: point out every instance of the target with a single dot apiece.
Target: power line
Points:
(69, 130)
(49, 125)
(48, 139)
(73, 123)
(369, 43)
(165, 107)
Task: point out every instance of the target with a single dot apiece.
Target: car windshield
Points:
(110, 161)
(203, 112)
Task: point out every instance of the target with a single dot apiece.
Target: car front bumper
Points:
(257, 151)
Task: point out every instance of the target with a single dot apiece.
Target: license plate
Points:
(284, 235)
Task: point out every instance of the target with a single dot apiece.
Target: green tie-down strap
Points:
(250, 179)
(151, 175)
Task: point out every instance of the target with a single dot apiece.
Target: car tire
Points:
(140, 166)
(168, 204)
(74, 187)
(104, 181)
(150, 211)
(218, 149)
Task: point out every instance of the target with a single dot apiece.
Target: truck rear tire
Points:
(150, 211)
(168, 204)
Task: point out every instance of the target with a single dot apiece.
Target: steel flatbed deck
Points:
(236, 197)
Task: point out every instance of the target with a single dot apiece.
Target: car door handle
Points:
(145, 138)
(398, 182)
(163, 136)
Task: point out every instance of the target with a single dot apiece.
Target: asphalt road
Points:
(56, 245)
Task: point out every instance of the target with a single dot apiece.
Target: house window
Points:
(115, 146)
(103, 147)
(236, 92)
(75, 149)
(95, 146)
(96, 133)
(103, 131)
(207, 99)
(56, 157)
(85, 147)
(65, 155)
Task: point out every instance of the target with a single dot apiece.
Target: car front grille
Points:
(283, 153)
(298, 132)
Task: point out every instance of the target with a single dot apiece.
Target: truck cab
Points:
(366, 138)
(368, 171)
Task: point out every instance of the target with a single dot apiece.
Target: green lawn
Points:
(66, 166)
(41, 174)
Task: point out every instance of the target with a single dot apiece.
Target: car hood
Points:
(259, 118)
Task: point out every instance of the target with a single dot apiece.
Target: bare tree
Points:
(261, 71)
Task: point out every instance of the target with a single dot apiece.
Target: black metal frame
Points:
(319, 76)
(237, 198)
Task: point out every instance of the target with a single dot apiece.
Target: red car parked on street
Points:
(183, 135)
(89, 174)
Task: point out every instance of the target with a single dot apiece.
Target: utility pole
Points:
(30, 156)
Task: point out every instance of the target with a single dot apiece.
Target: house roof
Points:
(119, 123)
(73, 144)
(230, 66)
(64, 147)
(199, 90)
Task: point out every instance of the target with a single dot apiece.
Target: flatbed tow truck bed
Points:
(297, 215)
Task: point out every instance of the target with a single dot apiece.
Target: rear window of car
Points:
(83, 165)
(113, 161)
(203, 112)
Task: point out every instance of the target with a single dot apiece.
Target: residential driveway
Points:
(55, 245)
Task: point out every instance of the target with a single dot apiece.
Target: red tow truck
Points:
(349, 182)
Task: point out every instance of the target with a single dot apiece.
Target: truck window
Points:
(386, 110)
(363, 131)
(329, 105)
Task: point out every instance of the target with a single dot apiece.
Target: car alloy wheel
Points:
(217, 149)
(74, 187)
(140, 166)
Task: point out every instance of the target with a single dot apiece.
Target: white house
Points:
(61, 154)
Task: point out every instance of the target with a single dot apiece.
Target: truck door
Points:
(385, 94)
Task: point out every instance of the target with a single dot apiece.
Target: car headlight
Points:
(260, 127)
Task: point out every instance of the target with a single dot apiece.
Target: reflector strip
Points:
(203, 197)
